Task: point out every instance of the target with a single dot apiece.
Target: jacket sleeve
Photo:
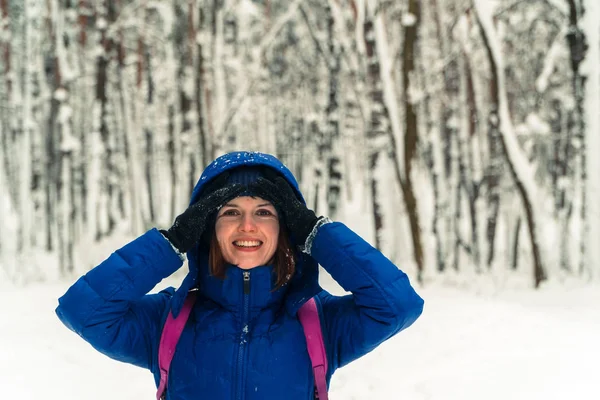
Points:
(382, 302)
(109, 306)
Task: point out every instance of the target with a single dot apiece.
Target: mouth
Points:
(247, 245)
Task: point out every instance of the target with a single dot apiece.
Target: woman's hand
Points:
(189, 226)
(299, 219)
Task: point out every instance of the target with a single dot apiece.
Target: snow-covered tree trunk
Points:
(150, 115)
(219, 99)
(200, 91)
(354, 105)
(470, 170)
(8, 227)
(105, 220)
(52, 137)
(449, 126)
(411, 134)
(6, 210)
(5, 49)
(184, 35)
(197, 140)
(591, 71)
(65, 220)
(518, 164)
(334, 173)
(66, 144)
(131, 138)
(8, 197)
(174, 152)
(25, 142)
(432, 158)
(440, 123)
(574, 134)
(378, 123)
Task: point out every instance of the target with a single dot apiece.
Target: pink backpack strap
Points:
(311, 323)
(168, 341)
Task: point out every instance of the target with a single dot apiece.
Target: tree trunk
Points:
(219, 94)
(104, 216)
(576, 129)
(512, 152)
(334, 175)
(5, 47)
(515, 245)
(150, 159)
(411, 133)
(433, 163)
(377, 126)
(53, 159)
(8, 227)
(468, 171)
(590, 162)
(447, 114)
(200, 89)
(25, 145)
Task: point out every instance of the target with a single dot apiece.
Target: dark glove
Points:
(299, 219)
(189, 226)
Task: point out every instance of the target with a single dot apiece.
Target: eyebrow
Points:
(236, 206)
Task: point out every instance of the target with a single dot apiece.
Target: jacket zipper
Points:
(243, 337)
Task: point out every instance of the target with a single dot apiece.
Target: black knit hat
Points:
(245, 176)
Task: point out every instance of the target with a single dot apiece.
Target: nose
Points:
(247, 223)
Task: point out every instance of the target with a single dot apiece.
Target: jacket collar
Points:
(232, 293)
(229, 292)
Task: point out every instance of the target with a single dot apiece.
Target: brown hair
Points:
(284, 259)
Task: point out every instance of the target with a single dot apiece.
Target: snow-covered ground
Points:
(514, 345)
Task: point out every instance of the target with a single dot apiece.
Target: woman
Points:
(253, 248)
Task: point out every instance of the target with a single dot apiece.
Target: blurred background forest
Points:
(458, 136)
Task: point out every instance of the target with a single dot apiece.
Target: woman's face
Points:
(247, 230)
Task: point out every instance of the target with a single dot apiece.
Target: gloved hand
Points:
(189, 226)
(299, 219)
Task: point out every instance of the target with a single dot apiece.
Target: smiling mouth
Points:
(247, 244)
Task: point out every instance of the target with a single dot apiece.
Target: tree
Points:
(591, 168)
(518, 165)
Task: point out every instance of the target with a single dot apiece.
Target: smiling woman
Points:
(248, 234)
(247, 231)
(253, 248)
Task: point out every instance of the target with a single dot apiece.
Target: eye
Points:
(230, 212)
(264, 212)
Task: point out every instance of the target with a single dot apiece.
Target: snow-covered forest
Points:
(460, 136)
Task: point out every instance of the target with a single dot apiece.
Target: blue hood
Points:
(303, 285)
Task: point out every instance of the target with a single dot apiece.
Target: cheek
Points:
(273, 234)
(222, 233)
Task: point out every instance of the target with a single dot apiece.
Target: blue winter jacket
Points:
(236, 345)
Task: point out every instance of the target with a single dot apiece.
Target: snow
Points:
(562, 6)
(534, 125)
(517, 344)
(61, 94)
(69, 144)
(555, 52)
(409, 19)
(166, 14)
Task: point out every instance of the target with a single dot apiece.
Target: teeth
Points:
(247, 243)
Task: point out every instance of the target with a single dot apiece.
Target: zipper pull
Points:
(246, 282)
